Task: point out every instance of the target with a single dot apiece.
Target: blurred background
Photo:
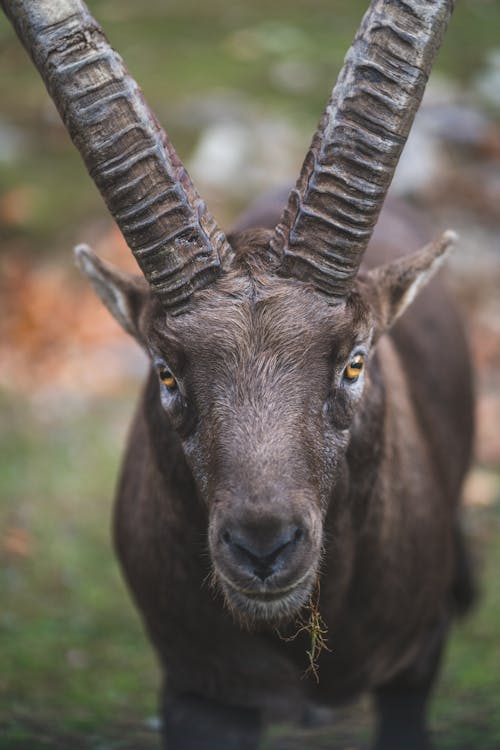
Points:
(239, 86)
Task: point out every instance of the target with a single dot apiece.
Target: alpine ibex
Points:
(290, 458)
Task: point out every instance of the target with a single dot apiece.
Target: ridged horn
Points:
(331, 213)
(176, 242)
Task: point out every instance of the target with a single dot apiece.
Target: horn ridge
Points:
(348, 169)
(174, 239)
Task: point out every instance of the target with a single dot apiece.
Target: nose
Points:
(261, 554)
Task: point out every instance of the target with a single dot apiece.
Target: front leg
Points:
(401, 719)
(402, 704)
(191, 722)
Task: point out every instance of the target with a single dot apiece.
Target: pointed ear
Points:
(123, 295)
(394, 286)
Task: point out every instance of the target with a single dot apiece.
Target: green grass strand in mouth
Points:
(315, 627)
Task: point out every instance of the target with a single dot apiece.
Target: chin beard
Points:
(265, 609)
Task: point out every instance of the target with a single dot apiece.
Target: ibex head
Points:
(260, 340)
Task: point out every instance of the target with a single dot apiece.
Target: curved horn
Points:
(166, 224)
(334, 207)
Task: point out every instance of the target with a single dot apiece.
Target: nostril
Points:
(259, 552)
(299, 533)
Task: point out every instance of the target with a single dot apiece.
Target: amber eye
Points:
(167, 378)
(354, 368)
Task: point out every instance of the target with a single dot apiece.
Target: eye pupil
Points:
(167, 378)
(353, 369)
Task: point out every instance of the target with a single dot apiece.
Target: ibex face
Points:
(263, 404)
(262, 380)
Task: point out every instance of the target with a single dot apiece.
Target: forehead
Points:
(238, 320)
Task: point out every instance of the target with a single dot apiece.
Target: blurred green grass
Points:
(72, 649)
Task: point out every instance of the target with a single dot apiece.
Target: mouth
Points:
(266, 605)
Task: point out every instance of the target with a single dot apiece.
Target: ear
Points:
(394, 286)
(123, 295)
